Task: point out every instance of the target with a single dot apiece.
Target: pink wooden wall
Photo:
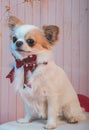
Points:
(71, 52)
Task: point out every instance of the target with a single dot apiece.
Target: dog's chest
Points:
(34, 89)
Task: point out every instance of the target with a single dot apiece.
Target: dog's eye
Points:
(30, 42)
(14, 39)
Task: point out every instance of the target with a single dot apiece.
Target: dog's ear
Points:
(51, 33)
(14, 22)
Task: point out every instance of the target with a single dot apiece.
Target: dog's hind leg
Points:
(73, 112)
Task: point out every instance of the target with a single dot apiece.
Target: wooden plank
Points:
(83, 47)
(28, 18)
(36, 13)
(21, 10)
(12, 94)
(51, 11)
(59, 22)
(67, 37)
(88, 48)
(44, 12)
(5, 57)
(0, 55)
(75, 44)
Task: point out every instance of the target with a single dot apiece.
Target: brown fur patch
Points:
(38, 37)
(13, 22)
(51, 33)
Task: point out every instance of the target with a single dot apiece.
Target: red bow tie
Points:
(28, 63)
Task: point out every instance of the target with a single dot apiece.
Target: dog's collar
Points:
(29, 63)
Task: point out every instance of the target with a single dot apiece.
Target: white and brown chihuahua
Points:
(44, 87)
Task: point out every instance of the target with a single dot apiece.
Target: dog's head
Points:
(29, 39)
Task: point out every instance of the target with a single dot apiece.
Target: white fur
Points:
(21, 31)
(51, 93)
(49, 83)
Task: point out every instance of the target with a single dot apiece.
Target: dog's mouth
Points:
(20, 50)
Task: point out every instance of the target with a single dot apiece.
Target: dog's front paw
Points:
(23, 121)
(50, 126)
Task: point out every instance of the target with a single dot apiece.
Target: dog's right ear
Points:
(14, 22)
(51, 33)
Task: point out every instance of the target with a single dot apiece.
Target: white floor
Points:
(39, 124)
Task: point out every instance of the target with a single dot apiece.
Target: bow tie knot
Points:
(28, 63)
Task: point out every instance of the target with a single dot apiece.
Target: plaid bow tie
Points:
(28, 63)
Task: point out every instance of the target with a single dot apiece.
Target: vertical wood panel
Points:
(44, 12)
(75, 44)
(36, 13)
(59, 22)
(12, 93)
(5, 57)
(83, 47)
(51, 11)
(0, 59)
(88, 48)
(28, 17)
(67, 36)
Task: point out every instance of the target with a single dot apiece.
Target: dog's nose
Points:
(19, 43)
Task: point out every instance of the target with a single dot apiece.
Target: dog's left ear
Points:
(51, 33)
(14, 22)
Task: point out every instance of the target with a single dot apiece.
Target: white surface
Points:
(39, 124)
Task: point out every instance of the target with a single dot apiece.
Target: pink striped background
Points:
(71, 52)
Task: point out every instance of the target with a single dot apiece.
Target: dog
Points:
(43, 86)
